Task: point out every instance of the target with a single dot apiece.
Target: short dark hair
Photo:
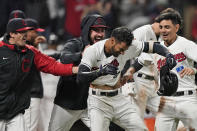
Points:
(174, 16)
(123, 34)
(167, 10)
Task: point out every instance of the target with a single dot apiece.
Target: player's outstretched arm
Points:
(155, 47)
(85, 75)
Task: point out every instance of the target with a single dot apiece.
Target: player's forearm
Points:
(155, 47)
(85, 76)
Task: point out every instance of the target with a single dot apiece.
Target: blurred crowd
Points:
(61, 18)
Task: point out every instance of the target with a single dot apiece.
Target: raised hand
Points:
(170, 61)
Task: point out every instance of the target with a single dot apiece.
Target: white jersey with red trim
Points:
(95, 58)
(146, 33)
(185, 54)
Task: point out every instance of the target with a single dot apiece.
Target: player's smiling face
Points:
(18, 38)
(97, 34)
(168, 31)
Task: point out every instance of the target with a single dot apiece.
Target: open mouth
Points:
(164, 35)
(98, 39)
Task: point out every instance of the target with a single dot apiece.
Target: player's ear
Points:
(113, 40)
(177, 27)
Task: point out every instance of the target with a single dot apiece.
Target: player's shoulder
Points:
(184, 41)
(98, 46)
(32, 48)
(136, 42)
(142, 29)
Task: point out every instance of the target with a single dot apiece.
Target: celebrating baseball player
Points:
(181, 105)
(71, 98)
(145, 82)
(146, 79)
(17, 61)
(100, 67)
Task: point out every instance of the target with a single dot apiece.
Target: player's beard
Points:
(113, 52)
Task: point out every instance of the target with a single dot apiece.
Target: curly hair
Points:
(123, 34)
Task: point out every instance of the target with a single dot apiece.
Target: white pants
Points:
(183, 108)
(145, 94)
(50, 86)
(32, 114)
(15, 124)
(63, 119)
(119, 109)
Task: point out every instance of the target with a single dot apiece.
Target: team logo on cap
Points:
(24, 23)
(99, 20)
(15, 15)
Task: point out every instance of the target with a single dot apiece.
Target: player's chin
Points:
(116, 54)
(164, 37)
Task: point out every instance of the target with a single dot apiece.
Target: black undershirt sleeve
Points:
(85, 76)
(157, 48)
(137, 65)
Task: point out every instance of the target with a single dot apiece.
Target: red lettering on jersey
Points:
(178, 57)
(25, 65)
(160, 63)
(115, 63)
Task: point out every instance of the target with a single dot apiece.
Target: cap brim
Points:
(40, 30)
(97, 26)
(24, 29)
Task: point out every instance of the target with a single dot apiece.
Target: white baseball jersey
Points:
(94, 57)
(184, 52)
(146, 33)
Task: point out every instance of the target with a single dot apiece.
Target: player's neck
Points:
(107, 48)
(170, 42)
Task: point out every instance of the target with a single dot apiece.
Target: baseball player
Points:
(145, 81)
(17, 61)
(182, 105)
(32, 114)
(100, 66)
(71, 99)
(15, 14)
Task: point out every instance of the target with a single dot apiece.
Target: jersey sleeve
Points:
(89, 57)
(190, 51)
(48, 64)
(134, 50)
(139, 34)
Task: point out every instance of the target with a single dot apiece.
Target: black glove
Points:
(108, 69)
(170, 61)
(168, 82)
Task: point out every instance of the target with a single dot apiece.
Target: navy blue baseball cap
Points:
(99, 22)
(34, 24)
(17, 25)
(17, 14)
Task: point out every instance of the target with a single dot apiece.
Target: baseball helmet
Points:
(168, 82)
